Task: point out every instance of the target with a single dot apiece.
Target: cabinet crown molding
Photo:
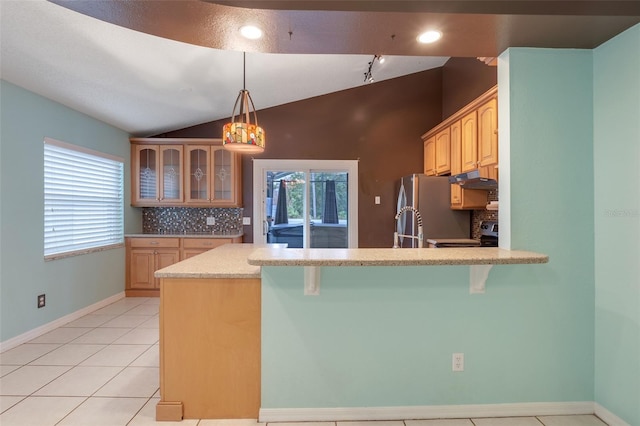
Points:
(176, 141)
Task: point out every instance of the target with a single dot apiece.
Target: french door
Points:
(306, 203)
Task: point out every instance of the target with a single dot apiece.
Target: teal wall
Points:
(617, 224)
(70, 284)
(384, 336)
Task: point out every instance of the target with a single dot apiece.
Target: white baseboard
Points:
(608, 417)
(425, 412)
(45, 328)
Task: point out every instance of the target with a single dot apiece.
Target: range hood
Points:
(472, 180)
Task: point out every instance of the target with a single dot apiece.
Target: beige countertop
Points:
(199, 235)
(244, 260)
(227, 261)
(393, 257)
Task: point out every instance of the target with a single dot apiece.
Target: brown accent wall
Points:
(379, 124)
(463, 80)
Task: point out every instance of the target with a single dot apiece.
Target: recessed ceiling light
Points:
(429, 36)
(251, 32)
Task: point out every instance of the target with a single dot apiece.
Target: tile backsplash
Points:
(190, 220)
(478, 216)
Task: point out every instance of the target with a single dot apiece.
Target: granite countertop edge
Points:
(394, 257)
(243, 261)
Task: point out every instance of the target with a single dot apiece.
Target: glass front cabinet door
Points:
(184, 172)
(145, 177)
(170, 188)
(224, 191)
(158, 174)
(212, 176)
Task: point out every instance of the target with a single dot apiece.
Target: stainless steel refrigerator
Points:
(431, 196)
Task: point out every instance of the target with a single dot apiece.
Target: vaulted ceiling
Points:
(152, 66)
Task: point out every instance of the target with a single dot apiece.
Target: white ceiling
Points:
(147, 85)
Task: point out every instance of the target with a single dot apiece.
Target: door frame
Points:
(260, 168)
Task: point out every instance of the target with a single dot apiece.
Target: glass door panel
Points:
(222, 174)
(171, 183)
(147, 158)
(328, 210)
(306, 203)
(198, 181)
(285, 207)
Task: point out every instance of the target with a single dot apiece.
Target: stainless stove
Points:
(489, 233)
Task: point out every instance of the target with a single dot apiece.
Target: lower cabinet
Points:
(145, 255)
(210, 359)
(194, 246)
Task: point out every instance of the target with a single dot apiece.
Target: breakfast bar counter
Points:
(237, 329)
(393, 257)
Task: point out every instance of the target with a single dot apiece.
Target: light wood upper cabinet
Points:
(456, 159)
(213, 176)
(157, 174)
(443, 152)
(184, 172)
(488, 139)
(437, 154)
(430, 156)
(466, 141)
(469, 142)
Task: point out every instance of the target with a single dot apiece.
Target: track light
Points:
(368, 76)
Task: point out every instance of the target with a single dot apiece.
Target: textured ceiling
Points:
(153, 66)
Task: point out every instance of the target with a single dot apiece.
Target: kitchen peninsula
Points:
(226, 326)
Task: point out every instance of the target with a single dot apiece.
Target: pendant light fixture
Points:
(241, 135)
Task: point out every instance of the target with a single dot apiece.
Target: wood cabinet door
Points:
(171, 174)
(456, 167)
(488, 133)
(223, 177)
(195, 246)
(145, 188)
(443, 152)
(469, 151)
(198, 179)
(430, 156)
(164, 258)
(141, 269)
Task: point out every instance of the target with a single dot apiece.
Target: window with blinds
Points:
(83, 200)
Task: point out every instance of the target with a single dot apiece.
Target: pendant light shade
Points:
(241, 134)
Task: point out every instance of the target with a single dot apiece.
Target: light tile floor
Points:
(102, 370)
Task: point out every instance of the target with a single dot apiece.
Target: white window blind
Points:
(83, 200)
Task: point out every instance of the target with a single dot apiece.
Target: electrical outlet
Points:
(246, 220)
(41, 301)
(211, 220)
(457, 362)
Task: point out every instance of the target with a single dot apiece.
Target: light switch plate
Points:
(246, 220)
(211, 220)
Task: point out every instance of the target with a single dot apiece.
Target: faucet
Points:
(420, 236)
